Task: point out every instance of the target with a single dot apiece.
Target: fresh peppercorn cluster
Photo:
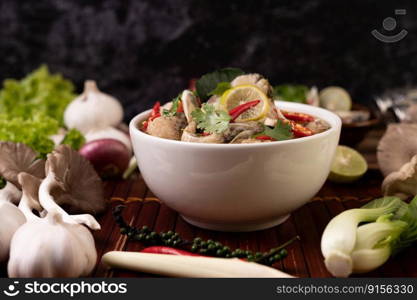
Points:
(197, 245)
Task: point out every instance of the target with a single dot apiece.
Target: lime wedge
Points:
(335, 98)
(348, 165)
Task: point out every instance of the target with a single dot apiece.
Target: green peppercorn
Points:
(209, 241)
(170, 233)
(203, 251)
(194, 248)
(211, 247)
(123, 230)
(197, 240)
(283, 253)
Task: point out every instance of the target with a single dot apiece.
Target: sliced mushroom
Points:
(397, 147)
(244, 135)
(189, 104)
(189, 135)
(236, 128)
(16, 158)
(72, 182)
(166, 127)
(255, 79)
(402, 183)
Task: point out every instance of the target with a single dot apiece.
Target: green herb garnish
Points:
(32, 109)
(211, 120)
(74, 139)
(220, 88)
(174, 108)
(208, 82)
(290, 92)
(282, 131)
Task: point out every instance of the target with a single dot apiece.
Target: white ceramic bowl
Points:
(237, 187)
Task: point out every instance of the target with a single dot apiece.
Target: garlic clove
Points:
(11, 219)
(93, 110)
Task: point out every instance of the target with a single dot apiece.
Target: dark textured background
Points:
(142, 51)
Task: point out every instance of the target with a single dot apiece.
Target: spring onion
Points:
(362, 239)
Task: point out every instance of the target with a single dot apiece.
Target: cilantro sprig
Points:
(174, 108)
(282, 131)
(211, 120)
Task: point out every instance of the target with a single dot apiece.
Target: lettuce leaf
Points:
(32, 109)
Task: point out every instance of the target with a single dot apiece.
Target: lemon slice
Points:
(348, 165)
(335, 98)
(246, 93)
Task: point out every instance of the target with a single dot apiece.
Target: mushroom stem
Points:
(48, 203)
(10, 193)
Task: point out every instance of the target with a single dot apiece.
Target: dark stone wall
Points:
(146, 50)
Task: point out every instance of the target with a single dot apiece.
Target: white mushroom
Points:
(189, 135)
(189, 104)
(255, 79)
(402, 183)
(166, 127)
(397, 147)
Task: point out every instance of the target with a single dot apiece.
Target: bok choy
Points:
(362, 239)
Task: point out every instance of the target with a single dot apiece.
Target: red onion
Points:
(109, 157)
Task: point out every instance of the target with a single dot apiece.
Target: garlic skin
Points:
(109, 133)
(49, 247)
(11, 219)
(93, 110)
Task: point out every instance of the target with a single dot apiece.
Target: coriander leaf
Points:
(74, 139)
(282, 131)
(173, 110)
(290, 92)
(220, 88)
(208, 82)
(211, 120)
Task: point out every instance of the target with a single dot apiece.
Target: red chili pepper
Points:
(206, 133)
(155, 111)
(180, 108)
(168, 250)
(300, 131)
(264, 138)
(240, 109)
(298, 117)
(145, 125)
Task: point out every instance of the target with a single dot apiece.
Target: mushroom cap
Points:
(16, 158)
(397, 147)
(78, 188)
(402, 183)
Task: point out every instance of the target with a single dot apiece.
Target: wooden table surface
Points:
(304, 257)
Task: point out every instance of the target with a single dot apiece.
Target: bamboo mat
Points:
(304, 257)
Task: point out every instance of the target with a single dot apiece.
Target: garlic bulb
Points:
(109, 133)
(56, 245)
(93, 110)
(11, 219)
